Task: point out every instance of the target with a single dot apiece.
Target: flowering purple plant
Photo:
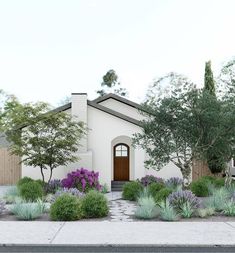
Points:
(72, 191)
(174, 183)
(179, 198)
(52, 186)
(82, 179)
(149, 179)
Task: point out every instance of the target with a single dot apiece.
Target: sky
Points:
(51, 48)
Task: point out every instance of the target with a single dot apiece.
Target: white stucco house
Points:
(112, 120)
(107, 148)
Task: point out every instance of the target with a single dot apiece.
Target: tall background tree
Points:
(110, 84)
(43, 139)
(209, 83)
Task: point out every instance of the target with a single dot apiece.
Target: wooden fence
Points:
(10, 167)
(200, 169)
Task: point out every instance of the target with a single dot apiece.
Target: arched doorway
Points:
(121, 162)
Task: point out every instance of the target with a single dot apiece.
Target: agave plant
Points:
(146, 208)
(167, 212)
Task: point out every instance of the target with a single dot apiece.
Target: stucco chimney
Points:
(79, 111)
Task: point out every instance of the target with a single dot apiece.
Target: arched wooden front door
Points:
(121, 162)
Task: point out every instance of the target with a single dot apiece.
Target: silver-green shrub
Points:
(167, 212)
(11, 195)
(146, 208)
(28, 210)
(229, 208)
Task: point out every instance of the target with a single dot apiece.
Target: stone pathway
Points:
(121, 210)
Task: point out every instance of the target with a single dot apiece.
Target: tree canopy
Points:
(110, 84)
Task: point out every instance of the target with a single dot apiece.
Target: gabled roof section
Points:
(117, 98)
(95, 104)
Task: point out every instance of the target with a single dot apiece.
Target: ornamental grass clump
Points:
(146, 208)
(167, 212)
(53, 186)
(229, 208)
(28, 210)
(187, 210)
(218, 199)
(94, 205)
(149, 179)
(11, 195)
(178, 200)
(174, 183)
(31, 191)
(23, 181)
(2, 206)
(82, 179)
(66, 208)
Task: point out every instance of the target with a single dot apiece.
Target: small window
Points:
(121, 151)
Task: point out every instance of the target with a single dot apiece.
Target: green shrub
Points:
(154, 188)
(31, 191)
(218, 199)
(200, 187)
(23, 181)
(39, 181)
(219, 182)
(131, 190)
(146, 208)
(167, 212)
(28, 211)
(94, 205)
(66, 208)
(162, 195)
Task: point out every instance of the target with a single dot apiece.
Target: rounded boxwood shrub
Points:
(200, 187)
(154, 188)
(31, 191)
(131, 190)
(24, 180)
(94, 205)
(66, 208)
(162, 195)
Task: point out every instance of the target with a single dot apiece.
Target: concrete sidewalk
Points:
(118, 233)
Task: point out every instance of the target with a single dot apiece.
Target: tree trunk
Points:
(228, 177)
(50, 175)
(43, 178)
(186, 171)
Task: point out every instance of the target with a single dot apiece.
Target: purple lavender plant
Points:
(72, 191)
(174, 183)
(179, 198)
(52, 186)
(149, 179)
(82, 179)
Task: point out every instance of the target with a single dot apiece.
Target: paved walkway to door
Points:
(120, 210)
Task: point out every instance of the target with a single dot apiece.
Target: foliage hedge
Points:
(94, 205)
(31, 191)
(162, 195)
(66, 208)
(154, 188)
(131, 190)
(23, 181)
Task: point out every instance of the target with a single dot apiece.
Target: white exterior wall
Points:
(122, 108)
(105, 131)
